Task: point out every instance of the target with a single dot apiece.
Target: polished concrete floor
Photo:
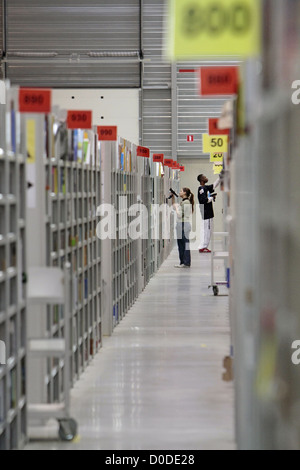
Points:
(157, 382)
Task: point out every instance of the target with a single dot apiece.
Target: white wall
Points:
(193, 168)
(110, 108)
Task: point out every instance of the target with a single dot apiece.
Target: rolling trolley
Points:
(49, 286)
(214, 256)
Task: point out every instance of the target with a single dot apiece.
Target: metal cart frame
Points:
(51, 286)
(217, 255)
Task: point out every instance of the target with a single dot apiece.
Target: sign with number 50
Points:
(215, 143)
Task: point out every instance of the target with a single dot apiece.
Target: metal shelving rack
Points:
(72, 199)
(73, 196)
(264, 294)
(124, 249)
(129, 180)
(62, 220)
(12, 272)
(147, 195)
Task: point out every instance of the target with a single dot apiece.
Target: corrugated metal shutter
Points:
(1, 26)
(74, 43)
(1, 38)
(194, 110)
(157, 121)
(156, 96)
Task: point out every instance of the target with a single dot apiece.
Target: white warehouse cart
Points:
(50, 286)
(215, 255)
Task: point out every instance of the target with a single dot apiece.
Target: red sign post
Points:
(214, 130)
(143, 152)
(107, 133)
(79, 120)
(158, 157)
(35, 100)
(219, 80)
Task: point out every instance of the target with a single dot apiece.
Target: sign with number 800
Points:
(215, 27)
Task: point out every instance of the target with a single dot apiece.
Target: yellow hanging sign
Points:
(215, 27)
(216, 157)
(30, 135)
(218, 169)
(215, 143)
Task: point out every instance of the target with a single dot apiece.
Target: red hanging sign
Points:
(158, 157)
(35, 100)
(168, 162)
(190, 138)
(219, 81)
(181, 168)
(107, 133)
(143, 152)
(214, 130)
(79, 120)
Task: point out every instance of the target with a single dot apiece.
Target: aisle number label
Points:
(168, 162)
(219, 81)
(216, 157)
(215, 27)
(35, 100)
(158, 157)
(79, 120)
(143, 152)
(218, 169)
(107, 133)
(215, 143)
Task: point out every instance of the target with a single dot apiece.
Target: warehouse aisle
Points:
(157, 382)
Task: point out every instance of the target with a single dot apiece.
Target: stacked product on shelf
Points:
(12, 278)
(124, 249)
(73, 180)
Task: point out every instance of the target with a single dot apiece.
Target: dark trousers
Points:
(183, 230)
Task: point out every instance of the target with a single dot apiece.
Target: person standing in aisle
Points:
(206, 208)
(184, 212)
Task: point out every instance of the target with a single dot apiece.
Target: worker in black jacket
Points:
(206, 208)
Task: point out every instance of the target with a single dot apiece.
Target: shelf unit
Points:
(73, 196)
(124, 249)
(12, 277)
(67, 176)
(128, 180)
(148, 258)
(265, 241)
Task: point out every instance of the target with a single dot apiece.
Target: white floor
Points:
(157, 382)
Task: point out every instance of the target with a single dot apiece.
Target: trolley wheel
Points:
(215, 290)
(67, 429)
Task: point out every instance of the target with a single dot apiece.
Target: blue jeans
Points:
(183, 230)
